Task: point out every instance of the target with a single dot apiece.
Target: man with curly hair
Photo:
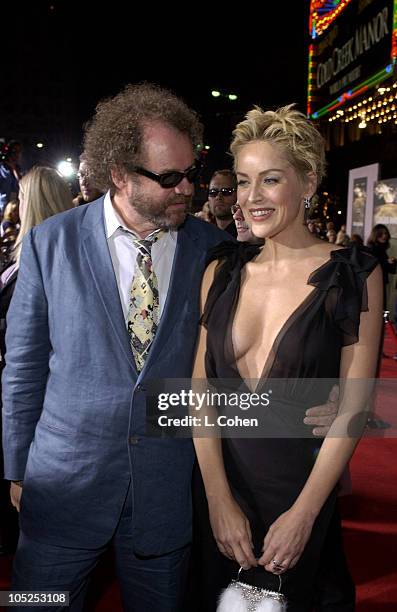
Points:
(74, 386)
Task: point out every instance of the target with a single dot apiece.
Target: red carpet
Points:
(370, 515)
(371, 532)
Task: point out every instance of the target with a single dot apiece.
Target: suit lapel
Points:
(100, 264)
(185, 254)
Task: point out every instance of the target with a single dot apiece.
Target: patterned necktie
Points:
(143, 312)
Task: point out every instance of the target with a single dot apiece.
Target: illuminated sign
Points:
(353, 47)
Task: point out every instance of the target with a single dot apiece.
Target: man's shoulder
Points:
(71, 220)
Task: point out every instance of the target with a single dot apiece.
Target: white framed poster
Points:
(385, 205)
(360, 200)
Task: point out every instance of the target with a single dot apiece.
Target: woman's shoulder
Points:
(344, 262)
(222, 276)
(329, 251)
(344, 279)
(233, 252)
(225, 261)
(359, 258)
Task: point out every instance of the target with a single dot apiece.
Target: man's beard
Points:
(222, 213)
(158, 213)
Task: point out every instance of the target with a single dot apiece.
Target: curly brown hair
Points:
(114, 136)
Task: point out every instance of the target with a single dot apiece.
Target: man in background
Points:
(222, 194)
(88, 191)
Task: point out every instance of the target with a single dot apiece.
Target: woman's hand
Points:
(232, 531)
(286, 540)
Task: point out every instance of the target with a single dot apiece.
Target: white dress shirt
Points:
(124, 254)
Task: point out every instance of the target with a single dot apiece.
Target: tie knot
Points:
(144, 246)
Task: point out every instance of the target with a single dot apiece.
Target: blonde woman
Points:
(296, 310)
(42, 193)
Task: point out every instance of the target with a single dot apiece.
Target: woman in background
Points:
(379, 243)
(9, 231)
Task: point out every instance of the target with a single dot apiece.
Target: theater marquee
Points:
(353, 47)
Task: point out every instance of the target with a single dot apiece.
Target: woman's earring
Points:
(307, 202)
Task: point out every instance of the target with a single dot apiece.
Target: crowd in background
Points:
(11, 175)
(216, 210)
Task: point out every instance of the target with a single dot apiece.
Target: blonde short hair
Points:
(45, 193)
(291, 131)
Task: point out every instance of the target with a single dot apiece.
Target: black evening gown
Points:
(267, 474)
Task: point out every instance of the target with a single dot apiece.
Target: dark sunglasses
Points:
(172, 178)
(225, 191)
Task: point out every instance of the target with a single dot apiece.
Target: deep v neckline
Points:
(271, 357)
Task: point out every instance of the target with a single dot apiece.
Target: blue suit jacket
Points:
(73, 402)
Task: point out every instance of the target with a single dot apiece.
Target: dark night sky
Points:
(64, 59)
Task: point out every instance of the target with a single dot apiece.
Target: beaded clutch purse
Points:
(242, 597)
